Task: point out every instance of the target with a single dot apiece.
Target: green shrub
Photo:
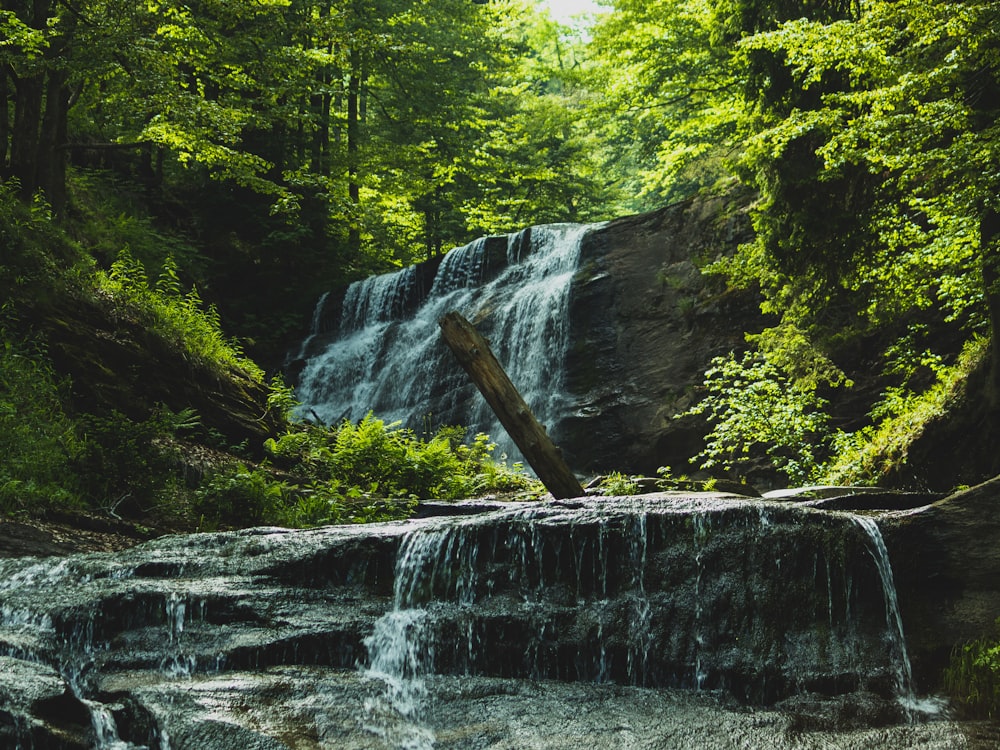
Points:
(125, 465)
(973, 677)
(392, 462)
(617, 483)
(899, 419)
(240, 496)
(754, 407)
(38, 441)
(179, 318)
(373, 471)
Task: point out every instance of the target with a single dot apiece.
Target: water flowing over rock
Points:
(386, 355)
(438, 632)
(604, 329)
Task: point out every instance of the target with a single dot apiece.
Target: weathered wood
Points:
(475, 356)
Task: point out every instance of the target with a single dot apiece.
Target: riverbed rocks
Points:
(171, 642)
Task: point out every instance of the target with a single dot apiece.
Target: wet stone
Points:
(610, 622)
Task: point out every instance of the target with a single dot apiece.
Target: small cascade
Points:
(401, 648)
(316, 325)
(386, 356)
(106, 729)
(894, 619)
(763, 601)
(700, 525)
(176, 662)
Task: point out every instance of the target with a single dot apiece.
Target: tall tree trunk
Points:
(26, 133)
(353, 137)
(4, 121)
(51, 147)
(29, 99)
(989, 241)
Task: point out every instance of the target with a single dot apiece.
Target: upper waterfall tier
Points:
(384, 353)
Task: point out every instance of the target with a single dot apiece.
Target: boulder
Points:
(947, 561)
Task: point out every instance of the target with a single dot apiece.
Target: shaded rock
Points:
(947, 558)
(118, 364)
(644, 324)
(38, 710)
(272, 636)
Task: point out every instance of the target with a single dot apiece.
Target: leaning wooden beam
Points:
(475, 356)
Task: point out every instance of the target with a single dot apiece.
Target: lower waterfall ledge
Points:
(538, 623)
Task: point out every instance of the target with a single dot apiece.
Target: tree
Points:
(912, 122)
(672, 112)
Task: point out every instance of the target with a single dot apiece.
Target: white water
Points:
(905, 689)
(392, 361)
(401, 647)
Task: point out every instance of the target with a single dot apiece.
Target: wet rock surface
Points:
(666, 620)
(645, 323)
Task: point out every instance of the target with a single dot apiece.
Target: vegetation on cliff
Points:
(870, 133)
(171, 464)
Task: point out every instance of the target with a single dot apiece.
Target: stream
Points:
(660, 621)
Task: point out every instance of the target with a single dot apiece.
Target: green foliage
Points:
(755, 407)
(898, 419)
(38, 441)
(354, 473)
(125, 466)
(240, 496)
(393, 462)
(618, 484)
(972, 679)
(670, 108)
(181, 319)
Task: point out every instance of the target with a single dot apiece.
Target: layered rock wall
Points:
(646, 320)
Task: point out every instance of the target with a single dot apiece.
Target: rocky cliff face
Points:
(606, 330)
(645, 323)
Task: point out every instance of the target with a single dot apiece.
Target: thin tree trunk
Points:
(25, 135)
(989, 241)
(353, 136)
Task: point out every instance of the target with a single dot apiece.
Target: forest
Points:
(203, 171)
(180, 181)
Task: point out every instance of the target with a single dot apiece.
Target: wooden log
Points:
(477, 359)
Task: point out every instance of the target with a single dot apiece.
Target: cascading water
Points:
(249, 636)
(387, 356)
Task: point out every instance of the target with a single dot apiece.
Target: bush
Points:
(973, 677)
(898, 420)
(373, 471)
(38, 441)
(125, 465)
(755, 407)
(177, 317)
(240, 496)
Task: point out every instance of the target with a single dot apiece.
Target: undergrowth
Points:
(168, 466)
(39, 442)
(898, 420)
(758, 409)
(354, 473)
(178, 317)
(972, 679)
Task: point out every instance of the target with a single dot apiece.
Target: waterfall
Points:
(387, 356)
(401, 647)
(905, 689)
(382, 633)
